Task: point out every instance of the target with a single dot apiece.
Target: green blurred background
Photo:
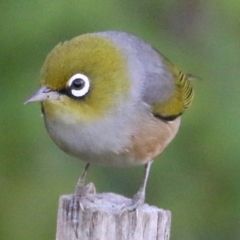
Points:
(197, 177)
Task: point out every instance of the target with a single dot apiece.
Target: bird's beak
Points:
(43, 94)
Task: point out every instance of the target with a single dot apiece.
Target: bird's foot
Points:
(77, 203)
(136, 202)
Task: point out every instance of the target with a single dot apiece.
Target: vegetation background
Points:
(197, 177)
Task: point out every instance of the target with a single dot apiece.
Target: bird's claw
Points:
(136, 202)
(76, 204)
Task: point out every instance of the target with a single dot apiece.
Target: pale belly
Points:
(109, 143)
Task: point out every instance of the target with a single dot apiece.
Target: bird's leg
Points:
(139, 198)
(80, 187)
(75, 203)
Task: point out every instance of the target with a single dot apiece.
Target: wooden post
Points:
(101, 219)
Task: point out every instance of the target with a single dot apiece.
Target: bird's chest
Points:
(103, 142)
(125, 140)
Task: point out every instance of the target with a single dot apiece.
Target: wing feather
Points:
(181, 97)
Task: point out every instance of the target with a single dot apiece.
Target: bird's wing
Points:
(180, 96)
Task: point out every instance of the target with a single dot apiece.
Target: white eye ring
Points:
(79, 91)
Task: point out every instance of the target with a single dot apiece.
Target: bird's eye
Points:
(78, 85)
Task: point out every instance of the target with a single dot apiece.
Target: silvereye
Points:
(109, 98)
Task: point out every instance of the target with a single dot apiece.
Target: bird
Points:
(110, 98)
